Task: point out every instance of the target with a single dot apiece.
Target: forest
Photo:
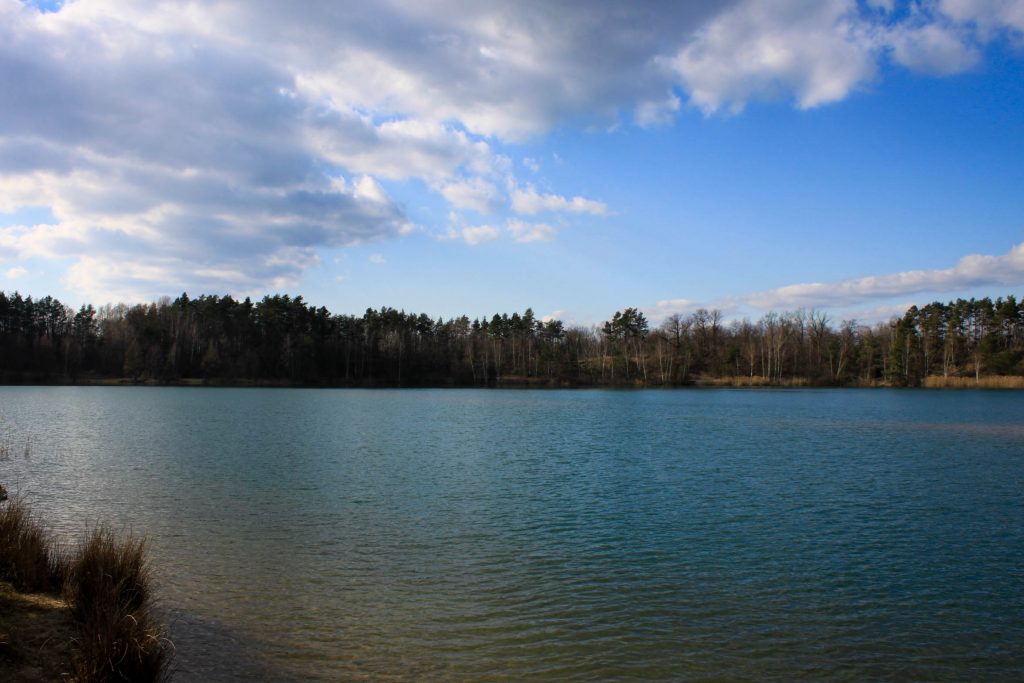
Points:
(283, 340)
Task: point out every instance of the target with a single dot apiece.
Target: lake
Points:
(473, 535)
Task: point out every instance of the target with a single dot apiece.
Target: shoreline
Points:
(36, 633)
(992, 382)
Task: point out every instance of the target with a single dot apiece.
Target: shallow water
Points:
(560, 535)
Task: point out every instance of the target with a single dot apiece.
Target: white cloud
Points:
(200, 234)
(475, 193)
(396, 150)
(368, 189)
(819, 51)
(529, 201)
(812, 50)
(499, 69)
(15, 273)
(553, 315)
(667, 307)
(989, 16)
(970, 271)
(377, 259)
(169, 160)
(867, 299)
(877, 314)
(519, 231)
(933, 48)
(478, 234)
(201, 145)
(523, 232)
(659, 112)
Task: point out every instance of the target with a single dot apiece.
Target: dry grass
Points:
(28, 559)
(750, 381)
(108, 588)
(991, 382)
(108, 592)
(116, 644)
(106, 569)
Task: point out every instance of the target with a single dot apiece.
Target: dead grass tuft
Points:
(109, 590)
(107, 569)
(28, 559)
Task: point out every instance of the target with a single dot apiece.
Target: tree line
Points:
(284, 340)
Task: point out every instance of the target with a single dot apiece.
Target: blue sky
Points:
(574, 157)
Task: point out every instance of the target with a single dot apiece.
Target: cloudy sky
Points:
(457, 157)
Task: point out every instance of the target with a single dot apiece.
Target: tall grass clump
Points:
(28, 559)
(109, 589)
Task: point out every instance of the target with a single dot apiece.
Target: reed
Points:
(751, 381)
(988, 382)
(28, 559)
(108, 570)
(109, 589)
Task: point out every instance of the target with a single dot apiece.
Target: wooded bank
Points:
(282, 340)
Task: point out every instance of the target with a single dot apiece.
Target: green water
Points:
(553, 535)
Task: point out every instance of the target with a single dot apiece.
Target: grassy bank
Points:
(86, 612)
(8, 449)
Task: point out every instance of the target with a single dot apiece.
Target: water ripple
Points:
(570, 536)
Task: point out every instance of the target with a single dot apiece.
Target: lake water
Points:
(553, 535)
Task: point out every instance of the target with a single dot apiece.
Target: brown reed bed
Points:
(988, 382)
(106, 588)
(750, 381)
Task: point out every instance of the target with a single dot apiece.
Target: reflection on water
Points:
(561, 535)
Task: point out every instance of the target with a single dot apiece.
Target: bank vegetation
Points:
(83, 615)
(283, 340)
